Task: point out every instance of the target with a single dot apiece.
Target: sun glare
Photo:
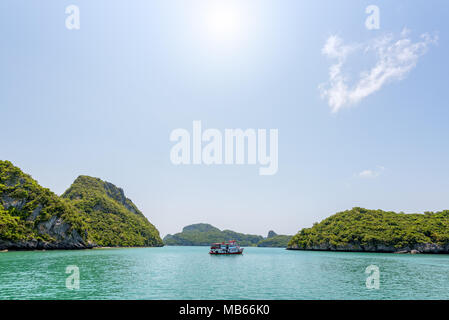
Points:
(225, 28)
(224, 23)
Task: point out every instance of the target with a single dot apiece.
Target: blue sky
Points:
(102, 101)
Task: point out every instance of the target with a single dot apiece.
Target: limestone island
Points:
(363, 230)
(91, 213)
(204, 234)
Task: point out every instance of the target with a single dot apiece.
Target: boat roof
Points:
(224, 242)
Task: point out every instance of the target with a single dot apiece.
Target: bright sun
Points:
(223, 22)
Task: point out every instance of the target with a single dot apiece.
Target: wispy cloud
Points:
(370, 173)
(396, 56)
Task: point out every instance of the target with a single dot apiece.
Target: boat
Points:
(230, 247)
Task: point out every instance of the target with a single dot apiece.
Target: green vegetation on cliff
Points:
(203, 234)
(26, 209)
(372, 230)
(13, 227)
(90, 213)
(112, 218)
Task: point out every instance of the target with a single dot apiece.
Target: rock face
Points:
(69, 241)
(91, 213)
(271, 234)
(363, 230)
(114, 220)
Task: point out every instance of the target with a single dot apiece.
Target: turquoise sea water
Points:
(191, 273)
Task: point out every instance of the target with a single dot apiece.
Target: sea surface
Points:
(191, 273)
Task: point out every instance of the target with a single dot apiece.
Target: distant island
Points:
(362, 230)
(203, 234)
(91, 213)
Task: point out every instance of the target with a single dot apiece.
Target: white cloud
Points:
(369, 173)
(396, 57)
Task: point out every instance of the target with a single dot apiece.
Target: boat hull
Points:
(230, 247)
(240, 252)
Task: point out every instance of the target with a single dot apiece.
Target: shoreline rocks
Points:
(431, 248)
(43, 245)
